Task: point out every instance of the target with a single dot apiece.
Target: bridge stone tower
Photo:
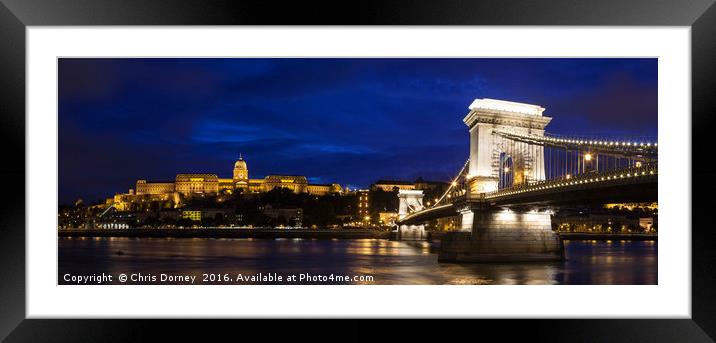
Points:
(497, 234)
(485, 118)
(410, 201)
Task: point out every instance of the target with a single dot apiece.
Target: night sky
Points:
(348, 121)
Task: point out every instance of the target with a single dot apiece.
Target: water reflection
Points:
(588, 262)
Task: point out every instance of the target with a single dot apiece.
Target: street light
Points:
(587, 157)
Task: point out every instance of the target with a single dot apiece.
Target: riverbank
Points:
(306, 233)
(226, 233)
(608, 236)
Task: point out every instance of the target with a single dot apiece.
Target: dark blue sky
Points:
(349, 121)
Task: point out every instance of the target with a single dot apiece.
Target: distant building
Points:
(420, 184)
(602, 223)
(391, 185)
(323, 189)
(196, 184)
(154, 187)
(297, 184)
(647, 223)
(194, 215)
(240, 178)
(256, 185)
(363, 205)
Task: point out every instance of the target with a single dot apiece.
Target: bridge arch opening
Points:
(506, 171)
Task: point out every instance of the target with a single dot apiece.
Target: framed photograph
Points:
(463, 161)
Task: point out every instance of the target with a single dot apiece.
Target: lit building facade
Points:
(196, 184)
(363, 206)
(297, 184)
(390, 185)
(155, 187)
(256, 185)
(240, 178)
(226, 184)
(318, 189)
(192, 215)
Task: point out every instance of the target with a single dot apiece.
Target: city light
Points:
(587, 157)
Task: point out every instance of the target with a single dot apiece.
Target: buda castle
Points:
(197, 184)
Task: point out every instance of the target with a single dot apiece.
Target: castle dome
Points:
(240, 164)
(241, 170)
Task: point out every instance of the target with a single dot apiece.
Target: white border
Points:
(671, 298)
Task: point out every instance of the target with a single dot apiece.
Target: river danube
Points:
(337, 261)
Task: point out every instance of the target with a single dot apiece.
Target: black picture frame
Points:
(16, 15)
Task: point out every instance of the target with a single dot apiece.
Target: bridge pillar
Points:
(410, 201)
(495, 235)
(504, 236)
(466, 220)
(488, 116)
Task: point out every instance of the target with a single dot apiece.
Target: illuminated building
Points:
(198, 184)
(226, 184)
(241, 174)
(256, 185)
(297, 184)
(188, 184)
(192, 215)
(391, 185)
(323, 189)
(363, 206)
(631, 206)
(647, 223)
(154, 187)
(596, 222)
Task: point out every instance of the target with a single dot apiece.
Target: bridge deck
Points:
(627, 185)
